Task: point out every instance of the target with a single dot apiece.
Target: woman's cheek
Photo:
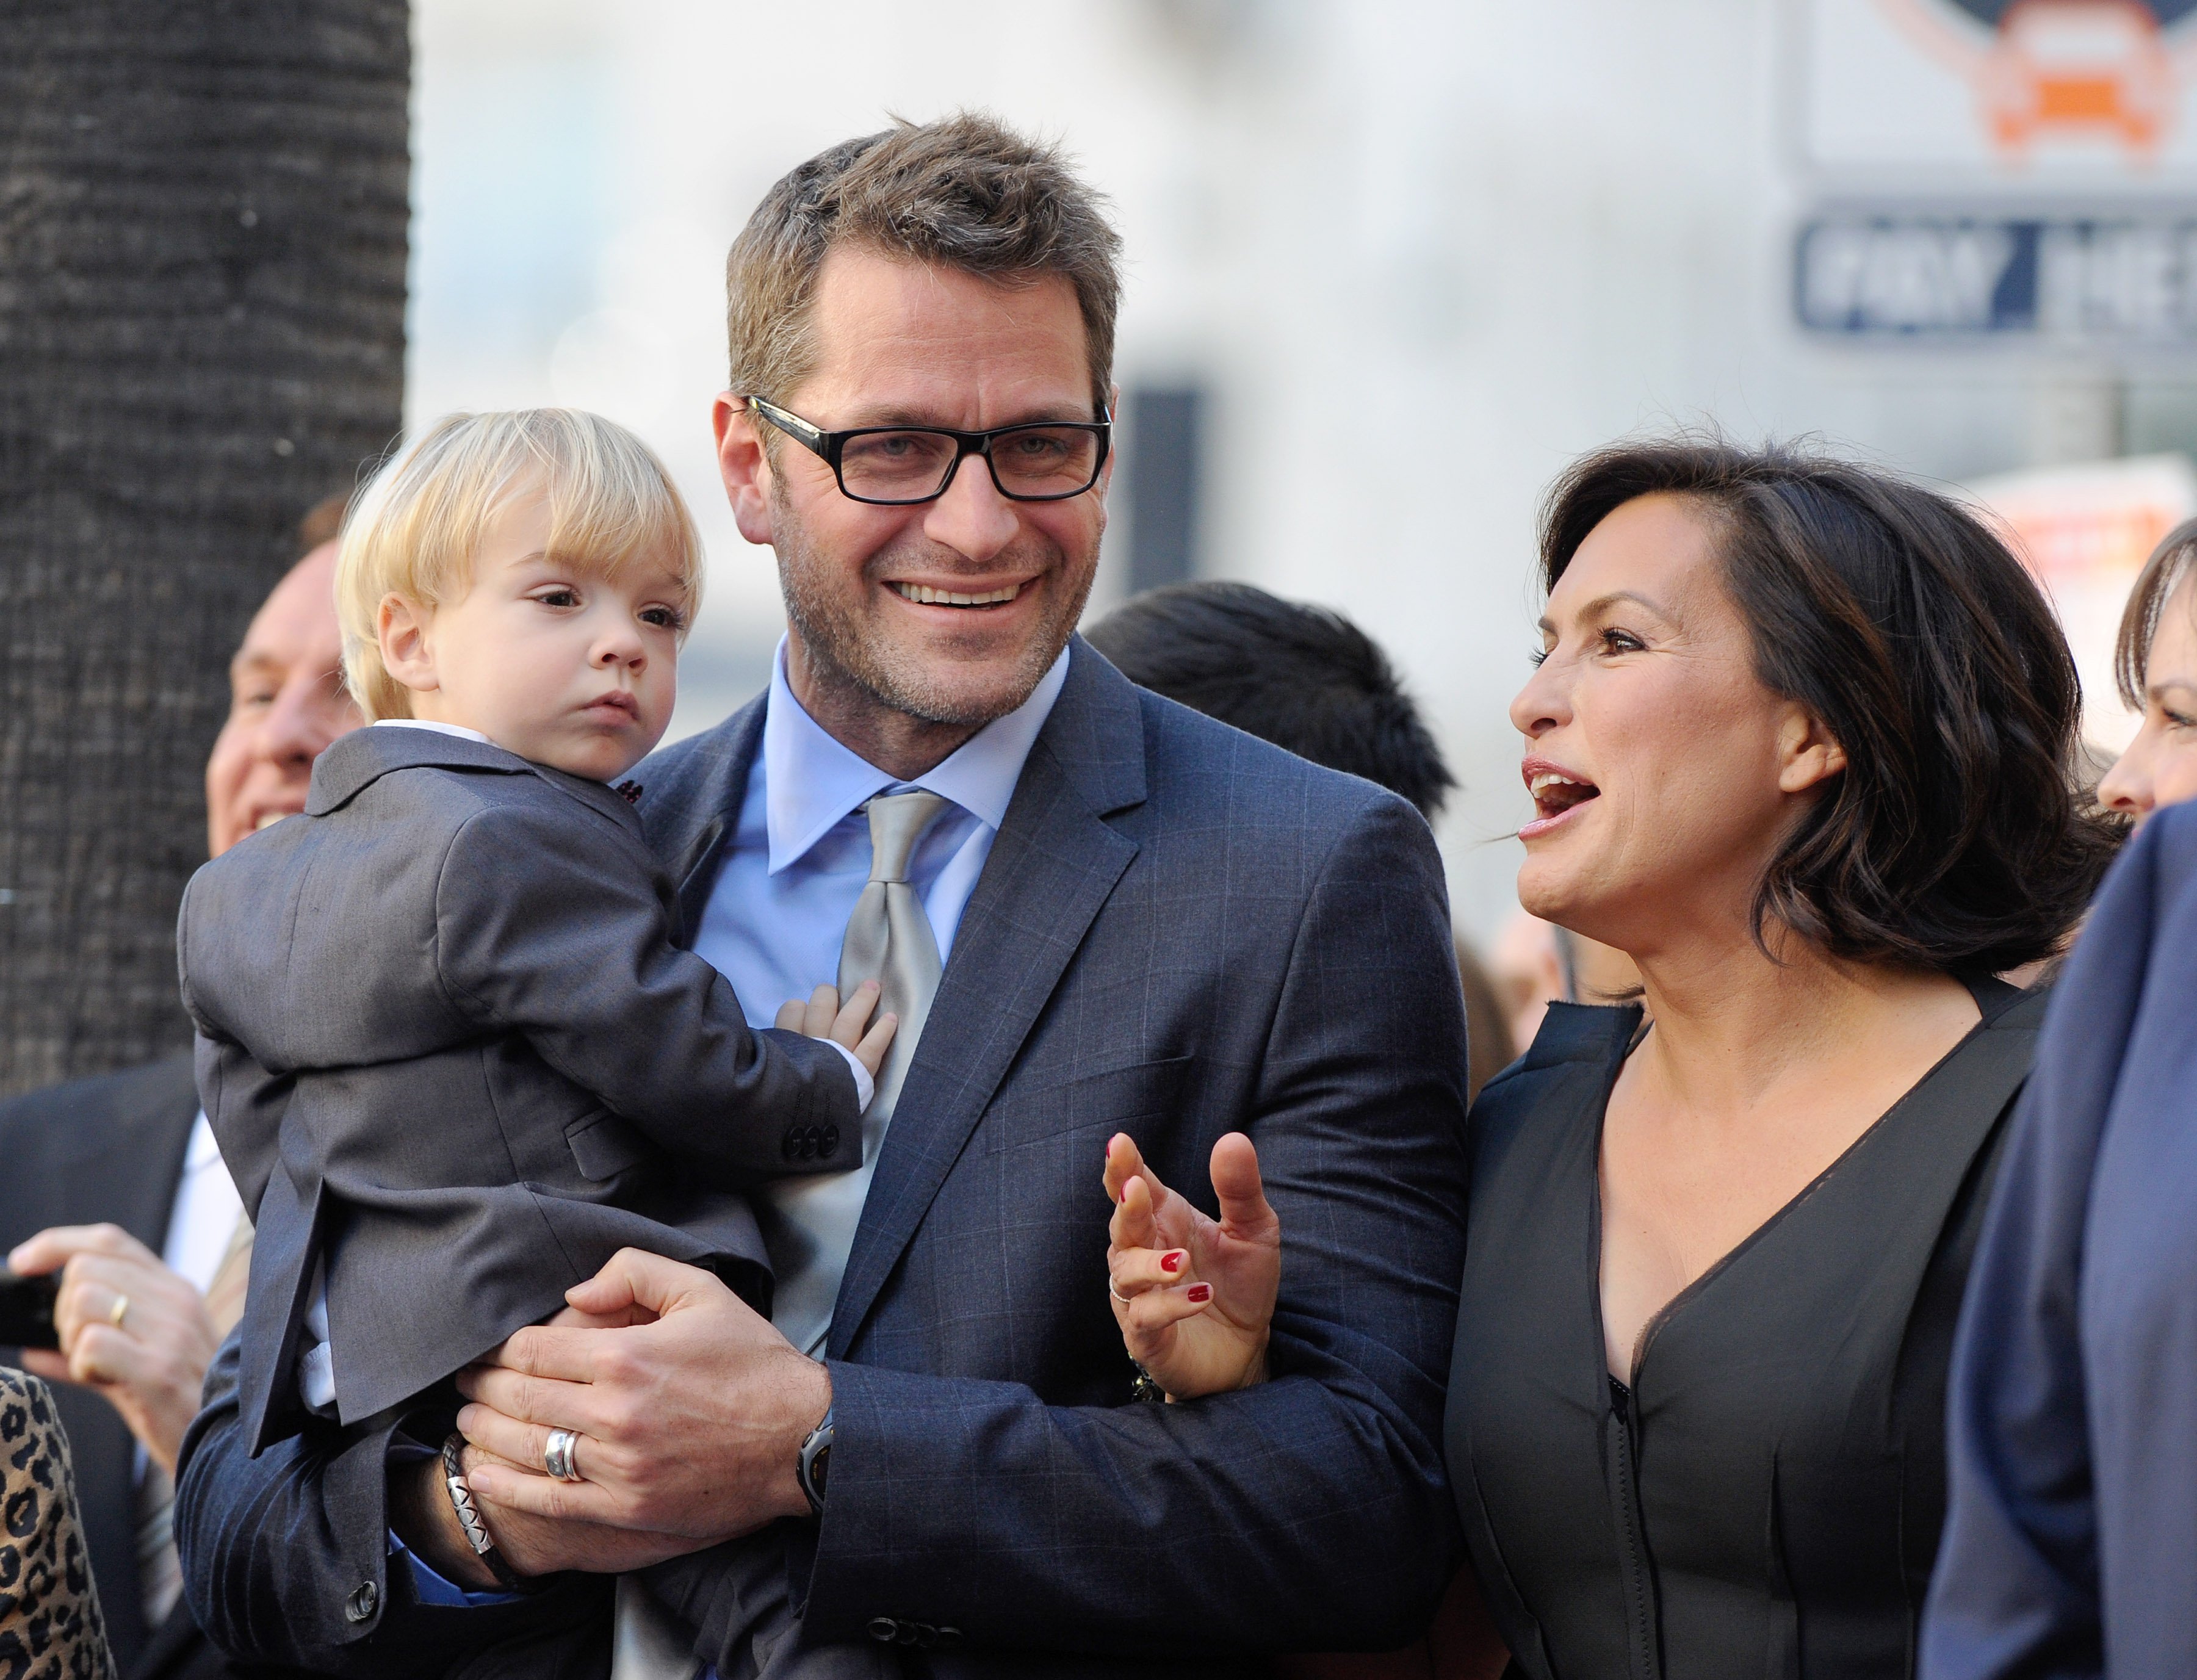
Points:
(2175, 780)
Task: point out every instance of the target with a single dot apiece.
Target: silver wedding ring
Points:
(1116, 1293)
(557, 1456)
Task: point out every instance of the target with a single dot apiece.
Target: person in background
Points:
(48, 1603)
(1537, 963)
(115, 1181)
(2071, 1541)
(1797, 746)
(1310, 681)
(2155, 664)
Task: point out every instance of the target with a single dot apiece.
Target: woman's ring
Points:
(1116, 1293)
(116, 1313)
(557, 1456)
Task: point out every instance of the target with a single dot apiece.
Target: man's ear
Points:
(744, 465)
(401, 626)
(1807, 753)
(1106, 472)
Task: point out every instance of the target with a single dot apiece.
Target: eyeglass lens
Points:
(1030, 461)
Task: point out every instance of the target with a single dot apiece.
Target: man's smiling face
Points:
(947, 613)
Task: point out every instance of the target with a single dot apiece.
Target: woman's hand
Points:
(1194, 1296)
(130, 1330)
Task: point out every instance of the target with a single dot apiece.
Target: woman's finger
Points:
(1133, 1225)
(1244, 1210)
(1133, 1271)
(1148, 1314)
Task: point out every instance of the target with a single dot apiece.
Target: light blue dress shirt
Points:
(797, 861)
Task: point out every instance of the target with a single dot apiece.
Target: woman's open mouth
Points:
(1557, 794)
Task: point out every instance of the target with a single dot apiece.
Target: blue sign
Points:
(1932, 277)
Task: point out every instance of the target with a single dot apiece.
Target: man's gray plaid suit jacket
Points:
(1180, 931)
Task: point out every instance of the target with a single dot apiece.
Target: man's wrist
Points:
(812, 1408)
(423, 1517)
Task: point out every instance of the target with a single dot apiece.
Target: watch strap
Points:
(814, 1466)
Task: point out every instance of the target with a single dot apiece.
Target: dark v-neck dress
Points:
(1766, 1498)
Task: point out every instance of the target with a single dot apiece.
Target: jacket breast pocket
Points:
(1109, 1100)
(603, 1145)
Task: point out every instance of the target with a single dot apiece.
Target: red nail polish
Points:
(1171, 1262)
(1125, 1195)
(1201, 1292)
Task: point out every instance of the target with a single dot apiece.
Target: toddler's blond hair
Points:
(416, 527)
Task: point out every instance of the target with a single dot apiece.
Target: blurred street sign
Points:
(2055, 94)
(2085, 531)
(2083, 281)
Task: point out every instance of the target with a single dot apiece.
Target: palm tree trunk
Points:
(202, 245)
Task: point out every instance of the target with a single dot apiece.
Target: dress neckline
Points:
(1993, 998)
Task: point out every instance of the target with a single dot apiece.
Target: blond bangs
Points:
(417, 527)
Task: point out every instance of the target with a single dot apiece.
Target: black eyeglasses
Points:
(896, 465)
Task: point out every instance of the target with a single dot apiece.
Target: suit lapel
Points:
(1051, 869)
(690, 800)
(130, 1177)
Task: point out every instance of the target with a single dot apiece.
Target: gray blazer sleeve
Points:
(593, 980)
(1141, 1528)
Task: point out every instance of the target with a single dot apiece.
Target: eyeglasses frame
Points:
(829, 447)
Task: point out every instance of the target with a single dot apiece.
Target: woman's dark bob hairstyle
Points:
(2168, 566)
(1954, 839)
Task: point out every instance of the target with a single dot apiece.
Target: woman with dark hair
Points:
(1797, 746)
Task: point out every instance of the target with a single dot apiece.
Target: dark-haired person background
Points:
(115, 1181)
(1313, 683)
(1797, 746)
(2071, 1542)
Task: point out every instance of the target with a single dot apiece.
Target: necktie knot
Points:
(897, 822)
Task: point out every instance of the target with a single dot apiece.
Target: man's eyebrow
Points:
(916, 421)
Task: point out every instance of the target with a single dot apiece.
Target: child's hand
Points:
(1194, 1297)
(824, 1017)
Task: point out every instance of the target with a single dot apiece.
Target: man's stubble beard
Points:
(841, 656)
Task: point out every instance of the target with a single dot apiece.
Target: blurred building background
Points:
(1392, 263)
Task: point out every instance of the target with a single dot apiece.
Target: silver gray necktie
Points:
(809, 1223)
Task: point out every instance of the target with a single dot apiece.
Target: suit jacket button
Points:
(884, 1629)
(790, 1147)
(360, 1606)
(910, 1633)
(949, 1638)
(828, 1145)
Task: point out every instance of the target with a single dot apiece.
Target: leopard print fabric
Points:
(49, 1622)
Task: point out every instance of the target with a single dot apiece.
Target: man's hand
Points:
(421, 1511)
(152, 1364)
(688, 1426)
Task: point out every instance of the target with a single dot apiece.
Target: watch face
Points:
(820, 1466)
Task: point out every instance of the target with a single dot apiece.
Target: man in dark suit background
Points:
(115, 1182)
(1132, 917)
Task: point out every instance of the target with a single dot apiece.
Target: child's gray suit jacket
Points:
(447, 1044)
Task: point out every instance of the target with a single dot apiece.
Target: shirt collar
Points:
(811, 782)
(456, 729)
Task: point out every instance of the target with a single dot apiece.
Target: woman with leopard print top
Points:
(49, 1622)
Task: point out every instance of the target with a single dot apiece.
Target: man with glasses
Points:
(1093, 911)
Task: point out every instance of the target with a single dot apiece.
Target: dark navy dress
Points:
(1764, 1499)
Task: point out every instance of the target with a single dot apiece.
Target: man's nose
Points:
(972, 518)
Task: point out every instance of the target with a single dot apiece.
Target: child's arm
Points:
(1194, 1296)
(557, 926)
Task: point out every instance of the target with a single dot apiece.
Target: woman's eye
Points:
(1620, 641)
(1538, 657)
(2180, 721)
